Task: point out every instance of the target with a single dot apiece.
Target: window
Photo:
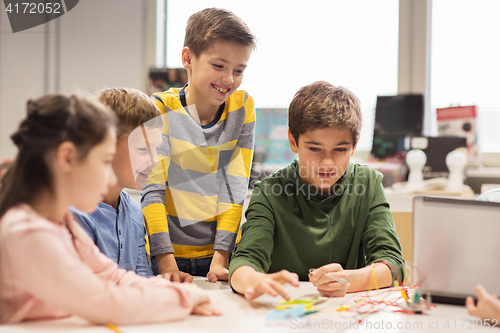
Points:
(349, 43)
(465, 66)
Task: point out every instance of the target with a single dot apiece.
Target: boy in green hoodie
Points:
(323, 218)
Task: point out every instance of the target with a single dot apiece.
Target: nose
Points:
(154, 158)
(327, 162)
(228, 79)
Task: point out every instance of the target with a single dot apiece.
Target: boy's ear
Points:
(187, 57)
(293, 144)
(66, 156)
(354, 148)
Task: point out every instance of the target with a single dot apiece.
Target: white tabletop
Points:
(240, 315)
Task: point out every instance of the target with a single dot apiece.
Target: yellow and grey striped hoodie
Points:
(193, 201)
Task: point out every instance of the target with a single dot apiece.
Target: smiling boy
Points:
(117, 226)
(322, 218)
(194, 199)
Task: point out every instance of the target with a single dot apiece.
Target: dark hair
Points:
(132, 107)
(51, 120)
(212, 24)
(321, 104)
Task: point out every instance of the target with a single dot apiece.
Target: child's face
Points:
(323, 155)
(93, 177)
(217, 72)
(134, 160)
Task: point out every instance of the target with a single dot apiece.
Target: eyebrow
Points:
(227, 61)
(320, 144)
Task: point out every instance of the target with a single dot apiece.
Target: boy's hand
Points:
(178, 276)
(218, 268)
(217, 273)
(258, 284)
(331, 280)
(488, 305)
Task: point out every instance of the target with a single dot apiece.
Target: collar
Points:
(182, 97)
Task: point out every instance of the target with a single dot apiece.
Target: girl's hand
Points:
(204, 308)
(488, 305)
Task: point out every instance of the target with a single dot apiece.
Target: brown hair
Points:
(132, 107)
(321, 104)
(51, 120)
(211, 24)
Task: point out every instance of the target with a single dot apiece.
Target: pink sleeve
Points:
(93, 288)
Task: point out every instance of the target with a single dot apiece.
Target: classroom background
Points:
(441, 50)
(404, 59)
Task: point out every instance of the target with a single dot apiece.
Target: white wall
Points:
(101, 44)
(21, 76)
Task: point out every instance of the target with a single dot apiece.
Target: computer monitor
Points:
(436, 149)
(396, 117)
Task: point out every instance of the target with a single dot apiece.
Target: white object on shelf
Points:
(415, 160)
(455, 161)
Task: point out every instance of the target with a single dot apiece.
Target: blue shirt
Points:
(119, 235)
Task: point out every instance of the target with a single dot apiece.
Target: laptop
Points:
(456, 245)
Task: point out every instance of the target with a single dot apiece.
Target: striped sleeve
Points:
(238, 173)
(153, 195)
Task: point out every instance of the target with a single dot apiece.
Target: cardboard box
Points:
(461, 121)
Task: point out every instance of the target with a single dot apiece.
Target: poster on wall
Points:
(271, 136)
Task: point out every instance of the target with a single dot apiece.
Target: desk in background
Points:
(240, 315)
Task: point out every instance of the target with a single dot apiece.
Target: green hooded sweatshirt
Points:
(291, 225)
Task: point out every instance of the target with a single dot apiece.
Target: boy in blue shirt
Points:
(117, 226)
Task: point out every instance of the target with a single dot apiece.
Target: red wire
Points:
(365, 305)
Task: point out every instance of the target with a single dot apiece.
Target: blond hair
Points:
(212, 24)
(132, 107)
(321, 104)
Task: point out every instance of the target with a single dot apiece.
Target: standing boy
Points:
(117, 226)
(322, 217)
(193, 201)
